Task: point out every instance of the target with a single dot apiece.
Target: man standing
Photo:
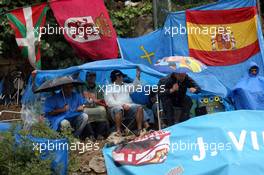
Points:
(117, 98)
(174, 95)
(65, 109)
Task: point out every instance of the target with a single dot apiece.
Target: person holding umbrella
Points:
(65, 109)
(174, 95)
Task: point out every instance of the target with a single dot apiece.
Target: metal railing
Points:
(11, 112)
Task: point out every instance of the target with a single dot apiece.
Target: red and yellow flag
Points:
(222, 37)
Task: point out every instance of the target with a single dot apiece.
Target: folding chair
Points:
(160, 112)
(123, 123)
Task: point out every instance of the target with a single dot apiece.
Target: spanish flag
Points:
(222, 37)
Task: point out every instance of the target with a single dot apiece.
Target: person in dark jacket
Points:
(173, 94)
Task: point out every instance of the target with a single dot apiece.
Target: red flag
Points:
(27, 22)
(222, 37)
(87, 27)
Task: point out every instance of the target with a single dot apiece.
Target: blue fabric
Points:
(102, 69)
(4, 126)
(175, 43)
(59, 163)
(1, 87)
(140, 97)
(221, 132)
(249, 92)
(135, 48)
(28, 96)
(57, 101)
(209, 84)
(224, 74)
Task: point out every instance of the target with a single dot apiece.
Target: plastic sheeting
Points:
(103, 69)
(207, 145)
(249, 92)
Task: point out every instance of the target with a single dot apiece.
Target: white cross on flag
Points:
(26, 22)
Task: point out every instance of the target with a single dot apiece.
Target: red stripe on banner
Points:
(225, 58)
(220, 16)
(36, 12)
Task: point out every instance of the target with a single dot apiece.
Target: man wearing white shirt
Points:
(117, 98)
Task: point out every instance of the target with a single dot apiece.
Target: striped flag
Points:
(26, 23)
(222, 37)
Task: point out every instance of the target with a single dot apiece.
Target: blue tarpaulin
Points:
(224, 143)
(249, 91)
(4, 127)
(174, 39)
(103, 70)
(209, 83)
(50, 148)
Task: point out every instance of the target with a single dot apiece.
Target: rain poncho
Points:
(57, 101)
(249, 91)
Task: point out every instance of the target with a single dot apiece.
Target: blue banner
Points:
(226, 143)
(142, 50)
(172, 41)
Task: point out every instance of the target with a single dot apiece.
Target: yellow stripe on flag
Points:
(243, 34)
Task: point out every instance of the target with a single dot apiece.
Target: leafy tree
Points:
(125, 19)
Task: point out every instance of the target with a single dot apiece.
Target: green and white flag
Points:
(27, 22)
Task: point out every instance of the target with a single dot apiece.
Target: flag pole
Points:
(120, 50)
(155, 14)
(259, 11)
(169, 5)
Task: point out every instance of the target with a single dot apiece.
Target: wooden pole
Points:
(260, 13)
(155, 14)
(169, 6)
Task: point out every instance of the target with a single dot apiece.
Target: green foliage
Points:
(20, 159)
(125, 19)
(187, 4)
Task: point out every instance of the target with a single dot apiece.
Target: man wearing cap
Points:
(117, 98)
